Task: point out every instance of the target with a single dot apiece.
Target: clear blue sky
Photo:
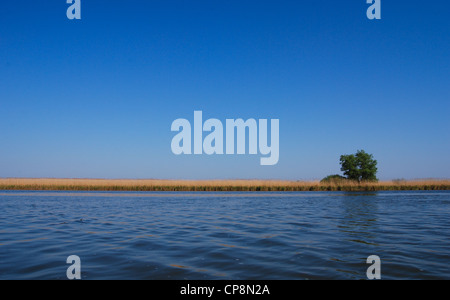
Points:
(96, 97)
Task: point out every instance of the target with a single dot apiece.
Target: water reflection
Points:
(360, 213)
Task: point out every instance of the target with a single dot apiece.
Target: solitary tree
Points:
(360, 166)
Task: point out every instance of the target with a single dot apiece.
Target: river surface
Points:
(212, 235)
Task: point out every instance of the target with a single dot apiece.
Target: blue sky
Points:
(95, 98)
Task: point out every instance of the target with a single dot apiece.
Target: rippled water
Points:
(306, 235)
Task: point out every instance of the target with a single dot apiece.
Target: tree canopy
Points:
(360, 166)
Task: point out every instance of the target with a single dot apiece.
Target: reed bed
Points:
(47, 184)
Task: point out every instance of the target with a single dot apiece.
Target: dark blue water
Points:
(308, 235)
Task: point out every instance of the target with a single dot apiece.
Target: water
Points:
(305, 235)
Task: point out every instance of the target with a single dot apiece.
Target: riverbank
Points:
(47, 184)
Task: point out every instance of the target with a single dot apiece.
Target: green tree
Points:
(360, 166)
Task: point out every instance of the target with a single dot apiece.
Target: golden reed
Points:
(45, 184)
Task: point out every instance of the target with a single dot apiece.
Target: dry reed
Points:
(214, 185)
